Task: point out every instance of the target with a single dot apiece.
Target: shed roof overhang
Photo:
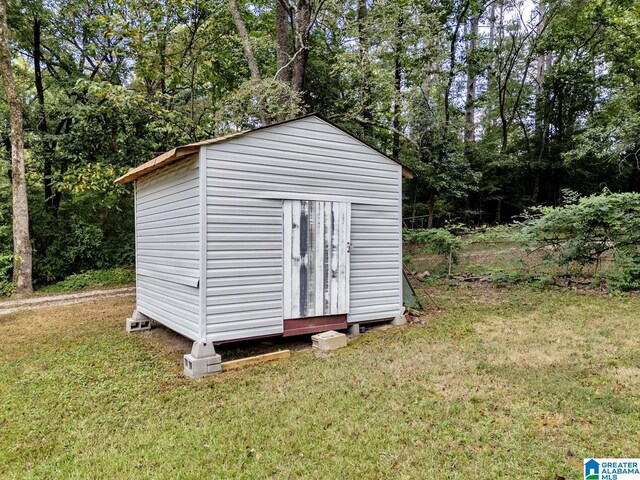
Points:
(180, 153)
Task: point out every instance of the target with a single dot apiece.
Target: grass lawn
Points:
(513, 383)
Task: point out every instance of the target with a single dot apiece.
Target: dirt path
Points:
(33, 303)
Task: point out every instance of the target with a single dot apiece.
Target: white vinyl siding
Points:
(167, 247)
(247, 180)
(244, 267)
(376, 260)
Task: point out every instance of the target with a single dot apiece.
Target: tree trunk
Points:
(426, 85)
(363, 48)
(283, 59)
(162, 59)
(397, 105)
(432, 207)
(536, 185)
(21, 240)
(415, 203)
(244, 38)
(490, 74)
(540, 115)
(452, 64)
(492, 25)
(42, 122)
(504, 129)
(248, 53)
(301, 40)
(469, 117)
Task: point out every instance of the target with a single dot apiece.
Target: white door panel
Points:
(316, 258)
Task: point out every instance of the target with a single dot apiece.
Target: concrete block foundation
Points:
(399, 320)
(202, 361)
(354, 330)
(201, 367)
(138, 322)
(330, 340)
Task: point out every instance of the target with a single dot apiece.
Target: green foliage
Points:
(443, 172)
(625, 274)
(243, 108)
(502, 278)
(584, 231)
(497, 233)
(86, 236)
(437, 240)
(556, 105)
(92, 279)
(6, 286)
(6, 242)
(75, 249)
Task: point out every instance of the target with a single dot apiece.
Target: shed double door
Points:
(317, 242)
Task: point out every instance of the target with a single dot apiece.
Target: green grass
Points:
(511, 383)
(109, 277)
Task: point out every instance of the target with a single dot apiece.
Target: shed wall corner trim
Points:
(202, 161)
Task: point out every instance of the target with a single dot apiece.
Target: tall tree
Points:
(249, 55)
(398, 49)
(283, 26)
(304, 15)
(245, 39)
(460, 14)
(469, 118)
(22, 272)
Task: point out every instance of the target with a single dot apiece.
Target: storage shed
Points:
(287, 229)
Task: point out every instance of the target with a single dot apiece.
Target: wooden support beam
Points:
(244, 362)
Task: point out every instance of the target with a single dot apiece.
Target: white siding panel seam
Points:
(248, 324)
(285, 192)
(189, 197)
(178, 214)
(188, 185)
(275, 183)
(288, 175)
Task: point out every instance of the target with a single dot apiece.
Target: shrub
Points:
(498, 233)
(625, 274)
(582, 232)
(6, 286)
(437, 240)
(76, 249)
(93, 278)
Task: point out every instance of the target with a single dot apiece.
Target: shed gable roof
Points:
(179, 153)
